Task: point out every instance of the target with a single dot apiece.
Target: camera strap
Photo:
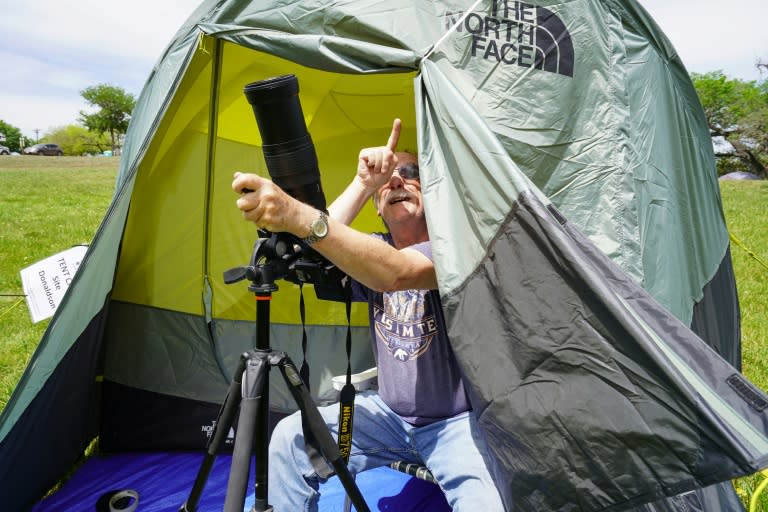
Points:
(312, 445)
(347, 396)
(304, 370)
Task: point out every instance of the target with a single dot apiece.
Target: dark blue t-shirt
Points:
(418, 378)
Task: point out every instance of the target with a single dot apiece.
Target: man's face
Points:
(400, 198)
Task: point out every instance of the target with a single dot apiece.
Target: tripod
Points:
(273, 258)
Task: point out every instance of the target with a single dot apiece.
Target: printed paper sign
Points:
(46, 281)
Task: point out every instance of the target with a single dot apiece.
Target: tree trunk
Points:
(745, 154)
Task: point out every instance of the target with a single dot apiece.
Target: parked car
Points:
(4, 150)
(44, 149)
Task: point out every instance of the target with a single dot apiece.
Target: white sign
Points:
(46, 281)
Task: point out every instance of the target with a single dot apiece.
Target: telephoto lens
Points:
(288, 150)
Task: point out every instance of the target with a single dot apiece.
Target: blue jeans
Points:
(453, 450)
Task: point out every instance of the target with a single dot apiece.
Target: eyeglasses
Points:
(409, 171)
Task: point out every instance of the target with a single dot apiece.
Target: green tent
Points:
(576, 224)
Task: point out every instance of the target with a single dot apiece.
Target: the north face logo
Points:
(520, 34)
(208, 431)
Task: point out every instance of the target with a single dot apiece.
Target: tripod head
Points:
(283, 256)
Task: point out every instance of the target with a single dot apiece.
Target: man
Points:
(421, 413)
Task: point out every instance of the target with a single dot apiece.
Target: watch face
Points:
(320, 228)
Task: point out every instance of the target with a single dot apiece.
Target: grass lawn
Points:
(48, 204)
(746, 209)
(745, 205)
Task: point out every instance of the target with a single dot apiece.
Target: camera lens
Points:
(288, 150)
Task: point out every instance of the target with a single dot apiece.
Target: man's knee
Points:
(286, 433)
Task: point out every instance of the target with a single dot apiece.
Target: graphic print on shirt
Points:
(406, 324)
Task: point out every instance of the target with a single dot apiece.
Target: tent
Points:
(576, 225)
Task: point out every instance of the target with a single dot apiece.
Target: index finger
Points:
(394, 137)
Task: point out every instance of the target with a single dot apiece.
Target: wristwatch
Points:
(317, 230)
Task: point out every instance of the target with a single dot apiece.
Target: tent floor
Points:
(163, 482)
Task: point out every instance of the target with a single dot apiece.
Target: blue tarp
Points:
(164, 480)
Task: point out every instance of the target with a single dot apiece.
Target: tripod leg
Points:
(254, 380)
(218, 437)
(319, 430)
(347, 504)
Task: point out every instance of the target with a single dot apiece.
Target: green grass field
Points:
(745, 207)
(49, 204)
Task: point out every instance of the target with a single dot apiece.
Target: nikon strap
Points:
(347, 396)
(312, 446)
(346, 401)
(304, 370)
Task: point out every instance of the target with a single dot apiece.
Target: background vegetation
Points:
(98, 130)
(48, 204)
(737, 115)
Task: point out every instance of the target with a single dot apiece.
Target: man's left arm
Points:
(374, 167)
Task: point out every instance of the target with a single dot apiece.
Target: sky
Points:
(51, 50)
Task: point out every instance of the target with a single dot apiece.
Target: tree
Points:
(762, 66)
(77, 140)
(115, 106)
(737, 111)
(12, 136)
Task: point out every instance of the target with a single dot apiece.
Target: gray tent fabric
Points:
(650, 423)
(574, 335)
